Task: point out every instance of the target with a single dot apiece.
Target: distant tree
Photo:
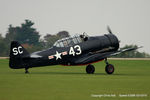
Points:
(24, 34)
(63, 34)
(11, 34)
(3, 46)
(51, 39)
(132, 54)
(1, 38)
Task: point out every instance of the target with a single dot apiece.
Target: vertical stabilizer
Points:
(17, 53)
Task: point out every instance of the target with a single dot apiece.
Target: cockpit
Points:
(69, 41)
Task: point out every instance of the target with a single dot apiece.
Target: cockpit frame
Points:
(68, 41)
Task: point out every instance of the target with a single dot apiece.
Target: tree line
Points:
(31, 39)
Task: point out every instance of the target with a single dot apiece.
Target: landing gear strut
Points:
(90, 69)
(109, 67)
(26, 70)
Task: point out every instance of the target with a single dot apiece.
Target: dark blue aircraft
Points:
(77, 50)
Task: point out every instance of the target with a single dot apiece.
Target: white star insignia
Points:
(57, 55)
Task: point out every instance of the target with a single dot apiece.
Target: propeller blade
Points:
(109, 30)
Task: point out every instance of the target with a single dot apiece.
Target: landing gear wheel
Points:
(90, 69)
(109, 69)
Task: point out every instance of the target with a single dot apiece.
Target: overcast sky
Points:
(128, 19)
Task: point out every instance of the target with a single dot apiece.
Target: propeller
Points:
(109, 30)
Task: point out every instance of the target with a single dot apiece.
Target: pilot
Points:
(65, 43)
(83, 37)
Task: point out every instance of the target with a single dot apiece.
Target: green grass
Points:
(72, 82)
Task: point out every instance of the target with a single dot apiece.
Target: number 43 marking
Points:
(77, 48)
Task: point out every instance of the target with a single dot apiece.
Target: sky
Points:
(129, 20)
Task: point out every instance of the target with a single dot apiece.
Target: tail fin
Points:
(17, 53)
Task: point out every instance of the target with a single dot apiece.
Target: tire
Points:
(90, 69)
(109, 69)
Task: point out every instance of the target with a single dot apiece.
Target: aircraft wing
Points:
(93, 57)
(124, 50)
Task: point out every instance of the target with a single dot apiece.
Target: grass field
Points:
(72, 83)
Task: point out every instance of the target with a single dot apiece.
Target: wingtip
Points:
(140, 47)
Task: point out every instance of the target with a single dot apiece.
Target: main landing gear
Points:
(109, 67)
(90, 69)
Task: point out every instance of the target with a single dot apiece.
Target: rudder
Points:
(17, 53)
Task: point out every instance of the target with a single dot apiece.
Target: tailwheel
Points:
(90, 69)
(26, 70)
(109, 69)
